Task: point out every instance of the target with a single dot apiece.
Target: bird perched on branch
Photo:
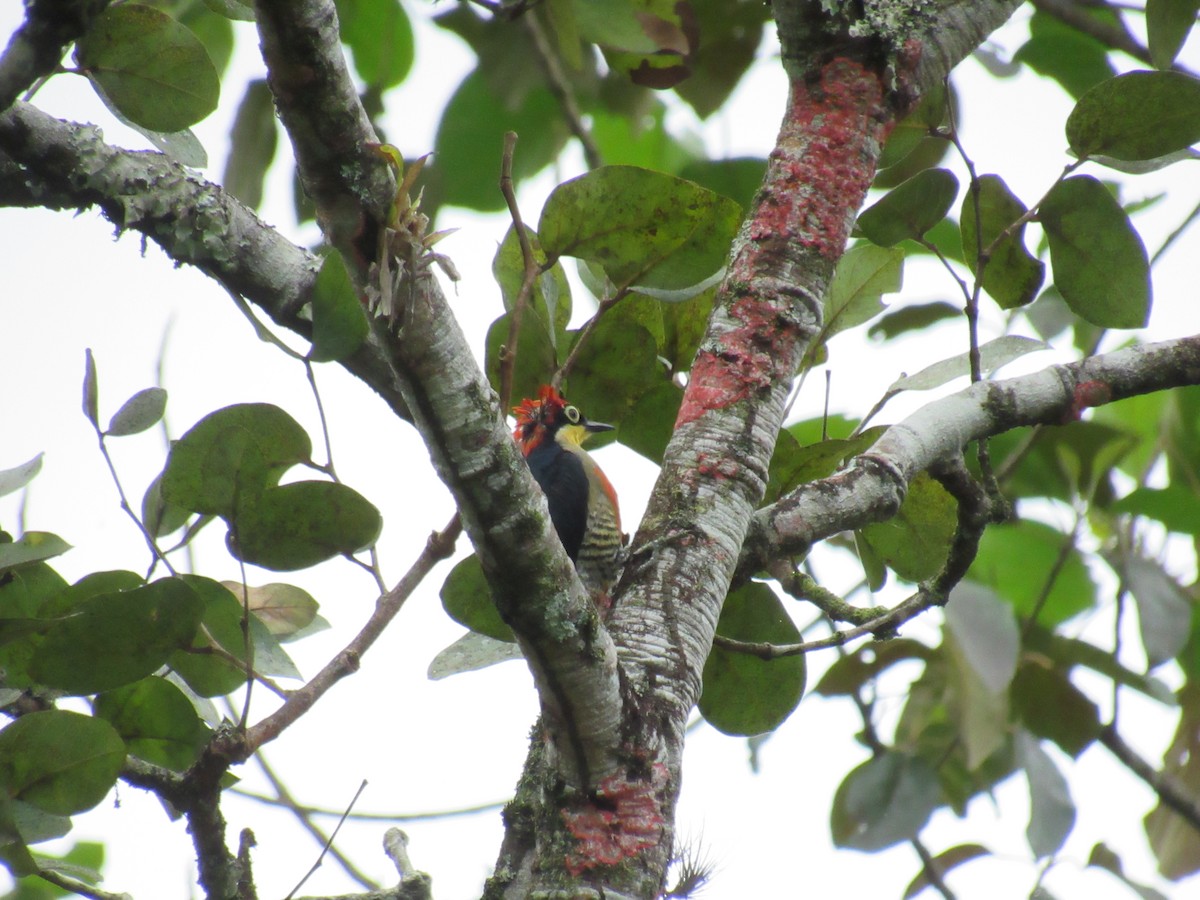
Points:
(583, 505)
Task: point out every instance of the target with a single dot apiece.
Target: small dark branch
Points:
(331, 133)
(508, 356)
(803, 586)
(560, 88)
(1169, 792)
(372, 817)
(439, 547)
(977, 509)
(303, 814)
(37, 46)
(327, 843)
(1115, 37)
(933, 872)
(246, 843)
(1064, 553)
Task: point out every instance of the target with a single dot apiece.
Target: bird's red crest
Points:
(532, 415)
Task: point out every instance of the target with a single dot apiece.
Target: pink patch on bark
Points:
(629, 821)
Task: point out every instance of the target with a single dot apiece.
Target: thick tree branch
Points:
(68, 166)
(453, 407)
(872, 487)
(36, 48)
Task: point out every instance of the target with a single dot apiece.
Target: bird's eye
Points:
(572, 415)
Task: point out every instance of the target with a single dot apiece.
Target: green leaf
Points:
(1011, 275)
(380, 37)
(614, 368)
(141, 411)
(1164, 611)
(644, 228)
(1055, 589)
(91, 390)
(649, 425)
(978, 714)
(943, 863)
(992, 356)
(863, 275)
(17, 477)
(232, 454)
(156, 720)
(536, 359)
(915, 541)
(884, 801)
(737, 178)
(550, 296)
(206, 673)
(304, 523)
(252, 142)
(730, 34)
(152, 68)
(1168, 23)
(1052, 811)
(641, 139)
(159, 516)
(850, 673)
(1067, 54)
(1136, 116)
(1099, 261)
(115, 639)
(470, 138)
(60, 762)
(32, 546)
(911, 209)
(1069, 652)
(793, 464)
(741, 693)
(339, 325)
(649, 40)
(912, 318)
(1050, 706)
(1175, 506)
(985, 629)
(470, 653)
(232, 9)
(467, 599)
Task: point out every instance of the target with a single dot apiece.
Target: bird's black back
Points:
(562, 479)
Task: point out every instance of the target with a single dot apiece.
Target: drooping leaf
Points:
(1052, 811)
(911, 209)
(252, 142)
(207, 673)
(615, 367)
(380, 37)
(159, 516)
(742, 693)
(945, 862)
(339, 324)
(1073, 58)
(91, 389)
(912, 318)
(1069, 652)
(1136, 116)
(284, 609)
(1164, 611)
(1050, 706)
(470, 653)
(863, 275)
(150, 67)
(649, 425)
(992, 355)
(1175, 506)
(643, 228)
(58, 761)
(1010, 274)
(467, 599)
(885, 800)
(141, 411)
(17, 477)
(1173, 839)
(1168, 23)
(156, 720)
(915, 541)
(730, 33)
(986, 630)
(851, 672)
(738, 178)
(651, 41)
(1099, 261)
(32, 546)
(115, 639)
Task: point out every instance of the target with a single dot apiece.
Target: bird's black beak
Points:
(597, 427)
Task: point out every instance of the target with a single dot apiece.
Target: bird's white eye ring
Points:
(572, 415)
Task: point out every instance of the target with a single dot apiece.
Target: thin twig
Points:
(585, 333)
(83, 889)
(1168, 790)
(508, 355)
(327, 843)
(933, 873)
(370, 817)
